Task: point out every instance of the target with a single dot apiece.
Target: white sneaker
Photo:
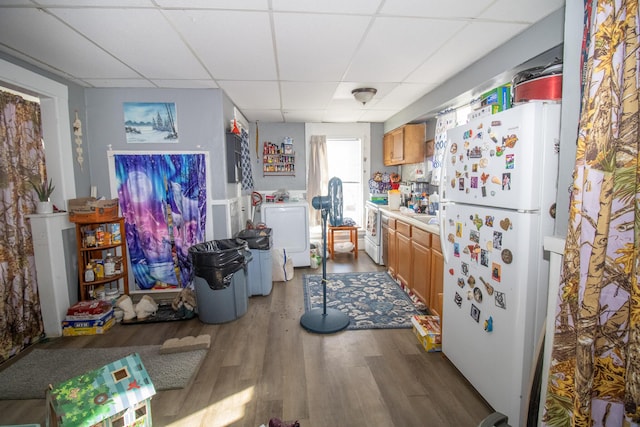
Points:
(146, 307)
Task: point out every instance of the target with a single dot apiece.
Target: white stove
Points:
(372, 237)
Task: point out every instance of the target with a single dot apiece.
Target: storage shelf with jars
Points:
(278, 159)
(102, 256)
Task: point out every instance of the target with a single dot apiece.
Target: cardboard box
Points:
(88, 209)
(97, 326)
(427, 330)
(499, 98)
(118, 394)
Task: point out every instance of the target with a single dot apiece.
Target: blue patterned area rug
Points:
(372, 300)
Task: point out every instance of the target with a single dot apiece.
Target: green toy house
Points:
(116, 395)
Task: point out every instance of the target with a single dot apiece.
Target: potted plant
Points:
(44, 190)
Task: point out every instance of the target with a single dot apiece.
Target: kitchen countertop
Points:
(416, 220)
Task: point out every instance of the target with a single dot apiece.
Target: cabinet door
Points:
(404, 258)
(397, 155)
(421, 279)
(387, 149)
(437, 275)
(392, 250)
(414, 143)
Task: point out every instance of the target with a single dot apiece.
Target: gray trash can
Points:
(220, 279)
(260, 278)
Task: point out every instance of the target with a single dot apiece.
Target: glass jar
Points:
(109, 265)
(89, 238)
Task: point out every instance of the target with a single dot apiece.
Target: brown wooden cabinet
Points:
(421, 263)
(92, 247)
(403, 238)
(404, 145)
(436, 276)
(392, 248)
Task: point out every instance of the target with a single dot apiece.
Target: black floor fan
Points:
(327, 320)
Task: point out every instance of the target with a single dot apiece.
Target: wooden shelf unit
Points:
(86, 254)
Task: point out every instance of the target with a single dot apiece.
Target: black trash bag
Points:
(258, 238)
(217, 260)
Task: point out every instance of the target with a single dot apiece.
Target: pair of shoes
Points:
(144, 308)
(125, 304)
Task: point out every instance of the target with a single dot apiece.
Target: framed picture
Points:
(150, 122)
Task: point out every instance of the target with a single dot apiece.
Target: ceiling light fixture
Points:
(364, 94)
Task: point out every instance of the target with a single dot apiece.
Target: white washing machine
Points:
(289, 223)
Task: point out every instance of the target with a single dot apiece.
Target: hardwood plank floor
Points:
(266, 365)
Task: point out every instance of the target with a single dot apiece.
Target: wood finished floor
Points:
(266, 365)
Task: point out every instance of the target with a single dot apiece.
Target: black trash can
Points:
(220, 279)
(260, 277)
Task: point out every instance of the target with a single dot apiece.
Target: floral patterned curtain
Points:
(21, 161)
(594, 375)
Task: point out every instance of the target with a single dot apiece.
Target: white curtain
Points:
(317, 180)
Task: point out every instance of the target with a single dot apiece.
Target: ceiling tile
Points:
(215, 4)
(368, 7)
(266, 116)
(140, 37)
(123, 83)
(470, 44)
(96, 3)
(435, 8)
(255, 95)
(236, 54)
(395, 47)
(53, 43)
(377, 116)
(524, 11)
(306, 95)
(316, 47)
(402, 95)
(303, 116)
(185, 84)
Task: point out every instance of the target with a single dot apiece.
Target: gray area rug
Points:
(29, 377)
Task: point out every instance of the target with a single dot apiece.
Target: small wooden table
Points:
(353, 238)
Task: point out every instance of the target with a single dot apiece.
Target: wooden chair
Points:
(353, 238)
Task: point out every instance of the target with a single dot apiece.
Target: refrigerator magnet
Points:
(457, 299)
(507, 256)
(488, 220)
(471, 281)
(450, 238)
(460, 282)
(506, 181)
(454, 148)
(488, 324)
(477, 221)
(496, 123)
(475, 313)
(505, 224)
(456, 250)
(487, 286)
(510, 161)
(493, 136)
(489, 245)
(501, 300)
(484, 257)
(469, 295)
(499, 151)
(496, 271)
(485, 176)
(474, 236)
(477, 295)
(497, 240)
(510, 140)
(496, 180)
(484, 191)
(464, 267)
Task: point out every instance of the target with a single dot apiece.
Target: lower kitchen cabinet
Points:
(403, 238)
(392, 248)
(436, 276)
(421, 263)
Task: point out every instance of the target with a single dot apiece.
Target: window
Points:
(344, 158)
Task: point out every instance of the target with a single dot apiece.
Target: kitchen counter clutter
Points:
(414, 255)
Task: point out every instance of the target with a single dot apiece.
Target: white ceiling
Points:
(278, 60)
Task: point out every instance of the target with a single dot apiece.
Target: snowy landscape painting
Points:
(150, 122)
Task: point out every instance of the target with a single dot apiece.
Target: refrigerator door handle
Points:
(445, 252)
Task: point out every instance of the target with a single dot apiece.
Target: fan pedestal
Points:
(324, 322)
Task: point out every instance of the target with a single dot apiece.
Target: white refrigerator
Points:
(497, 199)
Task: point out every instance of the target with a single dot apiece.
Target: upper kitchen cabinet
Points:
(404, 145)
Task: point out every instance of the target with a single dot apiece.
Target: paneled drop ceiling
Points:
(278, 60)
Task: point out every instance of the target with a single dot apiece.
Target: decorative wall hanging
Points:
(164, 201)
(150, 122)
(77, 132)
